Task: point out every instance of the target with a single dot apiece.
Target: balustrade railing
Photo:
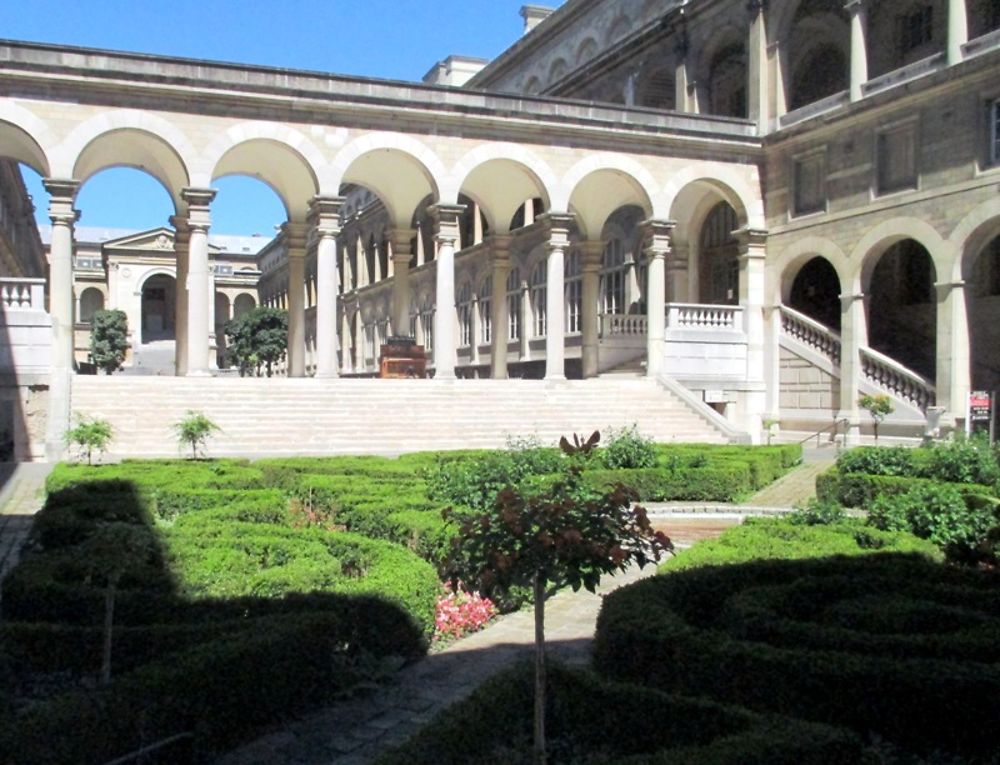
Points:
(691, 316)
(22, 294)
(818, 337)
(624, 325)
(886, 373)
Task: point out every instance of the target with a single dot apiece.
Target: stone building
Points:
(768, 208)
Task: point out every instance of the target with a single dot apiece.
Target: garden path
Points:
(21, 496)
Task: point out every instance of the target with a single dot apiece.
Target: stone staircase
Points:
(260, 417)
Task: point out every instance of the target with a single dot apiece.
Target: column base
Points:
(198, 373)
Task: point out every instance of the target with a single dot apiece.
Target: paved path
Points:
(798, 485)
(356, 732)
(22, 493)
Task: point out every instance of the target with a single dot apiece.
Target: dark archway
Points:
(983, 305)
(727, 82)
(902, 311)
(816, 292)
(718, 261)
(158, 308)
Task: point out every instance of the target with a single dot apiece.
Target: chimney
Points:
(534, 15)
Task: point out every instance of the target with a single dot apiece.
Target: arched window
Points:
(514, 304)
(657, 90)
(719, 257)
(91, 301)
(369, 337)
(613, 278)
(465, 316)
(243, 304)
(727, 82)
(574, 293)
(539, 294)
(485, 311)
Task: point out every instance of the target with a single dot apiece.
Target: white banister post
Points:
(592, 255)
(853, 336)
(958, 30)
(447, 219)
(859, 47)
(555, 297)
(753, 256)
(63, 217)
(401, 255)
(500, 259)
(197, 282)
(952, 378)
(295, 239)
(657, 248)
(324, 215)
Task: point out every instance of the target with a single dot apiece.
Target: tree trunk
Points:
(539, 751)
(109, 619)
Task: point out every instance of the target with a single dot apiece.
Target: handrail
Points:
(833, 436)
(817, 336)
(889, 374)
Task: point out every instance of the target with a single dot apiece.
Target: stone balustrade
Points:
(818, 337)
(693, 316)
(22, 294)
(890, 375)
(627, 325)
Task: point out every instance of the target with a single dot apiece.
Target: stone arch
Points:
(587, 50)
(656, 89)
(243, 304)
(815, 49)
(617, 28)
(557, 70)
(91, 300)
(533, 86)
(791, 260)
(500, 177)
(971, 234)
(597, 186)
(277, 163)
(723, 180)
(159, 325)
(24, 137)
(400, 169)
(878, 240)
(723, 63)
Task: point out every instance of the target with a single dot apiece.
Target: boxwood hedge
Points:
(890, 644)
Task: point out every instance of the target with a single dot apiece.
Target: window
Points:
(514, 304)
(809, 179)
(465, 316)
(539, 295)
(485, 311)
(91, 300)
(897, 158)
(613, 278)
(574, 293)
(369, 333)
(914, 29)
(427, 325)
(995, 132)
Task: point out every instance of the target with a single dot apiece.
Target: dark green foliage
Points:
(257, 339)
(784, 539)
(628, 448)
(963, 460)
(598, 721)
(889, 644)
(108, 339)
(860, 490)
(88, 436)
(878, 460)
(818, 513)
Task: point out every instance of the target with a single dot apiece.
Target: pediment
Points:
(157, 239)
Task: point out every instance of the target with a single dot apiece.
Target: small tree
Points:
(566, 535)
(258, 337)
(194, 431)
(110, 553)
(879, 407)
(108, 339)
(89, 435)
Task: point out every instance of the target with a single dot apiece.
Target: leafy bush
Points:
(963, 460)
(628, 448)
(783, 539)
(193, 430)
(600, 721)
(818, 513)
(459, 613)
(937, 512)
(877, 460)
(108, 339)
(90, 435)
(813, 638)
(860, 490)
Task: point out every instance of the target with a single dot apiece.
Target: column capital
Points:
(446, 221)
(198, 197)
(752, 241)
(656, 235)
(324, 214)
(62, 193)
(949, 285)
(400, 239)
(853, 6)
(847, 300)
(296, 236)
(591, 255)
(62, 188)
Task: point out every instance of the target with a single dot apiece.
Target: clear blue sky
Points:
(396, 39)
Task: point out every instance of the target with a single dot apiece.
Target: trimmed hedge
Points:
(891, 644)
(594, 720)
(779, 538)
(860, 489)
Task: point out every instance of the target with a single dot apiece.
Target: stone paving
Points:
(21, 496)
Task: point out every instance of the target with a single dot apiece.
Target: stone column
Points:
(475, 329)
(681, 78)
(526, 321)
(182, 239)
(954, 359)
(359, 341)
(63, 216)
(500, 256)
(364, 278)
(657, 245)
(753, 255)
(447, 219)
(591, 258)
(346, 340)
(400, 239)
(853, 336)
(295, 241)
(958, 29)
(859, 46)
(757, 92)
(324, 215)
(677, 273)
(199, 221)
(213, 340)
(555, 296)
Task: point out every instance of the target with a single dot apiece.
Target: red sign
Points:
(979, 406)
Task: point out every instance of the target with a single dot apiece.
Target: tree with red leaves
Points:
(566, 535)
